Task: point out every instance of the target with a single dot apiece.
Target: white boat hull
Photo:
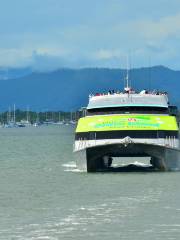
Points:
(92, 158)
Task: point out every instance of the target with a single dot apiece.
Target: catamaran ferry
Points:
(128, 124)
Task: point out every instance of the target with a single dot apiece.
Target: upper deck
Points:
(130, 99)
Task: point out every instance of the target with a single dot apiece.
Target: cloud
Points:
(53, 33)
(158, 30)
(107, 54)
(14, 57)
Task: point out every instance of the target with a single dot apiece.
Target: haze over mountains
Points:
(68, 89)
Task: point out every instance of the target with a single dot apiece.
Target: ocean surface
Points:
(43, 196)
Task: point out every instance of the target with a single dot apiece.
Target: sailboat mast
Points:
(27, 114)
(9, 115)
(71, 116)
(14, 113)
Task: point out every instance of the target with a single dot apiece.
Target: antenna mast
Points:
(127, 74)
(149, 74)
(127, 88)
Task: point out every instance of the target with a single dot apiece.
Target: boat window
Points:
(173, 110)
(127, 110)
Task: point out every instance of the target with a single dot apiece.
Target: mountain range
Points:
(68, 89)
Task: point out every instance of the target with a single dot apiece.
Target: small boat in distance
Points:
(128, 124)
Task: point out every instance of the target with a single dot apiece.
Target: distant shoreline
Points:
(34, 116)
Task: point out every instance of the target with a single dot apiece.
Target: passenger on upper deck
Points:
(144, 92)
(127, 91)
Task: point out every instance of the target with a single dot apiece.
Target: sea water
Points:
(44, 196)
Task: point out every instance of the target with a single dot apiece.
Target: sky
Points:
(49, 34)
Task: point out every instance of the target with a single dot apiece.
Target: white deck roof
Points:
(123, 100)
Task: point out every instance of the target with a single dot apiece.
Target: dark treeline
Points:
(54, 116)
(32, 117)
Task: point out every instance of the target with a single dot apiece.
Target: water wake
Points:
(131, 166)
(71, 167)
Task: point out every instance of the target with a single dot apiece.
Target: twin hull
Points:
(100, 138)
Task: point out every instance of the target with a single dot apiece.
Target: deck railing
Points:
(84, 143)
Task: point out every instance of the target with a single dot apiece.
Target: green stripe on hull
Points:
(126, 122)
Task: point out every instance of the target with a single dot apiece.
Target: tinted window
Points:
(124, 110)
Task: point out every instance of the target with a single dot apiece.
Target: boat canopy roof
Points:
(128, 100)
